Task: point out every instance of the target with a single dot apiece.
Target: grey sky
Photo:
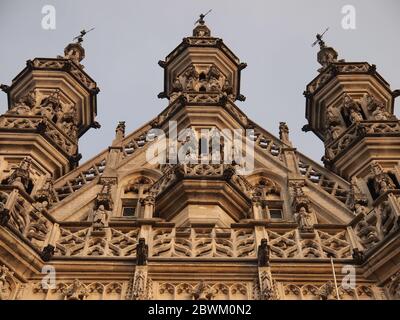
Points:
(273, 37)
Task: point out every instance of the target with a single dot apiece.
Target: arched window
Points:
(394, 179)
(371, 188)
(271, 202)
(134, 192)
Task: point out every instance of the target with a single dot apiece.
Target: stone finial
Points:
(284, 132)
(120, 130)
(326, 55)
(201, 30)
(75, 52)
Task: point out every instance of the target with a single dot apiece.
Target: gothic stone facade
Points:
(120, 227)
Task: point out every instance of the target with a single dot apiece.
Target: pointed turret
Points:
(51, 104)
(350, 108)
(202, 64)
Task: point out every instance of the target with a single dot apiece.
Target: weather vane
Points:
(202, 16)
(80, 37)
(319, 39)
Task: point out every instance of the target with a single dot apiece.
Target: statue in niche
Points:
(21, 175)
(367, 232)
(381, 114)
(227, 88)
(69, 113)
(356, 198)
(378, 109)
(330, 115)
(142, 250)
(213, 79)
(263, 253)
(202, 292)
(304, 219)
(100, 218)
(334, 131)
(44, 197)
(355, 116)
(5, 289)
(51, 108)
(382, 181)
(70, 129)
(24, 105)
(352, 109)
(326, 291)
(177, 85)
(394, 285)
(360, 209)
(191, 77)
(77, 291)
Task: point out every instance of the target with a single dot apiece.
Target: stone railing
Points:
(42, 125)
(376, 225)
(203, 242)
(24, 219)
(357, 131)
(319, 176)
(335, 69)
(22, 216)
(63, 65)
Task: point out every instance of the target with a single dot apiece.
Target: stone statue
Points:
(394, 286)
(4, 285)
(334, 131)
(356, 198)
(331, 118)
(352, 109)
(76, 291)
(367, 233)
(191, 76)
(21, 175)
(355, 116)
(304, 219)
(381, 114)
(177, 85)
(202, 292)
(263, 253)
(227, 88)
(284, 132)
(120, 131)
(24, 105)
(326, 291)
(100, 218)
(141, 252)
(382, 181)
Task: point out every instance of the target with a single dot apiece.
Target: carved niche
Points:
(203, 79)
(7, 284)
